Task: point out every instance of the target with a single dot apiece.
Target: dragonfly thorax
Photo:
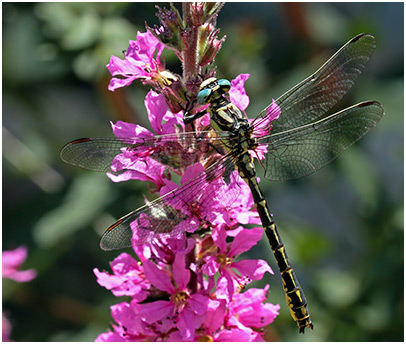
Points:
(226, 116)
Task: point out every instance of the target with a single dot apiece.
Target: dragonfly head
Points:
(212, 89)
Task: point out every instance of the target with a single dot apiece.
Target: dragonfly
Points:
(303, 139)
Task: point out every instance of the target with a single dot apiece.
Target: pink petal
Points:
(259, 316)
(253, 268)
(186, 325)
(109, 336)
(199, 303)
(173, 122)
(219, 236)
(6, 329)
(138, 62)
(159, 278)
(157, 107)
(245, 240)
(14, 257)
(124, 315)
(125, 263)
(23, 276)
(155, 311)
(273, 112)
(181, 275)
(128, 66)
(238, 96)
(145, 45)
(253, 297)
(175, 336)
(226, 286)
(211, 266)
(146, 169)
(263, 125)
(234, 335)
(191, 172)
(11, 261)
(118, 83)
(108, 281)
(125, 130)
(168, 187)
(215, 315)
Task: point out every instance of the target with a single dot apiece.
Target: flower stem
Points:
(190, 51)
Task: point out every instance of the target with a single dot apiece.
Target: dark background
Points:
(343, 226)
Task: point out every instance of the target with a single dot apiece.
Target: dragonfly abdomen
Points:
(295, 297)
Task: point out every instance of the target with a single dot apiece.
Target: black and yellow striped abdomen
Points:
(295, 297)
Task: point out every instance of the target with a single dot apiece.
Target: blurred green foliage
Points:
(343, 226)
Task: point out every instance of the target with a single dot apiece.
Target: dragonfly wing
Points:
(172, 214)
(94, 154)
(176, 151)
(120, 234)
(314, 96)
(301, 151)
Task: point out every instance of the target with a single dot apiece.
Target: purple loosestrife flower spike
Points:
(184, 288)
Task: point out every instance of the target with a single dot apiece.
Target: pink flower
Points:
(176, 295)
(11, 262)
(185, 309)
(224, 262)
(139, 61)
(127, 279)
(250, 309)
(131, 326)
(141, 163)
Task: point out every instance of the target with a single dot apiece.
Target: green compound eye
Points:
(224, 85)
(203, 96)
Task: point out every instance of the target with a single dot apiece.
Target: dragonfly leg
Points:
(187, 116)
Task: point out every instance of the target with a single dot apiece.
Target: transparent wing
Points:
(169, 215)
(314, 96)
(177, 151)
(300, 151)
(176, 212)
